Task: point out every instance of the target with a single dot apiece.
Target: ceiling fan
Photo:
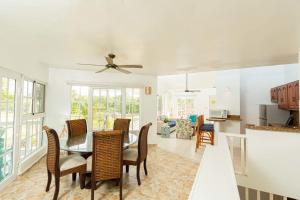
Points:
(186, 85)
(110, 65)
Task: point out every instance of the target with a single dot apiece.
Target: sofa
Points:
(184, 129)
(161, 122)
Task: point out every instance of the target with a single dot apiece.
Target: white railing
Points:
(215, 178)
(238, 149)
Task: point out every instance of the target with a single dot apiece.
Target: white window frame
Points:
(107, 96)
(17, 77)
(18, 165)
(31, 116)
(90, 100)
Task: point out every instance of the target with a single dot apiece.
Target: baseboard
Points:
(31, 160)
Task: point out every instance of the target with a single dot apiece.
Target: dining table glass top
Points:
(84, 144)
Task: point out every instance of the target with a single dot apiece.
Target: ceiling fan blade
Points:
(109, 60)
(130, 66)
(123, 70)
(192, 91)
(102, 70)
(90, 64)
(195, 90)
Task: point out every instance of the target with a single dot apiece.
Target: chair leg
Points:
(49, 181)
(197, 141)
(93, 186)
(145, 167)
(74, 176)
(92, 193)
(138, 174)
(82, 180)
(57, 180)
(127, 168)
(121, 183)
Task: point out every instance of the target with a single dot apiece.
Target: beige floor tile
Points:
(170, 176)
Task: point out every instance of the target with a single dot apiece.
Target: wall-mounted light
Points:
(148, 90)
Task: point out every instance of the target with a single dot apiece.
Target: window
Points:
(79, 102)
(185, 106)
(106, 105)
(7, 117)
(133, 107)
(39, 98)
(32, 118)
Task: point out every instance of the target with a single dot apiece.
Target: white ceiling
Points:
(163, 35)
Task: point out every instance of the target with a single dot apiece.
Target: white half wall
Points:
(59, 94)
(272, 163)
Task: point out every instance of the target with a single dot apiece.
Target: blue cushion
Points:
(172, 123)
(193, 118)
(207, 127)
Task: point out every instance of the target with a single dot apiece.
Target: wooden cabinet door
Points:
(274, 95)
(297, 95)
(283, 97)
(293, 95)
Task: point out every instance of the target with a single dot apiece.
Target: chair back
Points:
(200, 122)
(143, 142)
(53, 150)
(107, 155)
(76, 127)
(122, 125)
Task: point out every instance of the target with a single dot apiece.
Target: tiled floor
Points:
(171, 171)
(185, 148)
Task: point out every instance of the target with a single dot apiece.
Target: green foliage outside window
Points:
(79, 105)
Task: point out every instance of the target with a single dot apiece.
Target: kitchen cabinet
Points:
(283, 102)
(274, 95)
(293, 95)
(287, 96)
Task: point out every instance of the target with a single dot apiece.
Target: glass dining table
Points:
(84, 144)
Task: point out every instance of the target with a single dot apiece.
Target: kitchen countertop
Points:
(229, 118)
(274, 128)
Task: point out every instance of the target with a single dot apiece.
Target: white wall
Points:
(58, 98)
(228, 91)
(172, 85)
(256, 84)
(272, 162)
(200, 80)
(36, 72)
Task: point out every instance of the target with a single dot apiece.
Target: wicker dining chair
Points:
(122, 124)
(135, 156)
(61, 166)
(107, 158)
(76, 128)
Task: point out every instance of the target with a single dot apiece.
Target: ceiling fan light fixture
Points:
(110, 65)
